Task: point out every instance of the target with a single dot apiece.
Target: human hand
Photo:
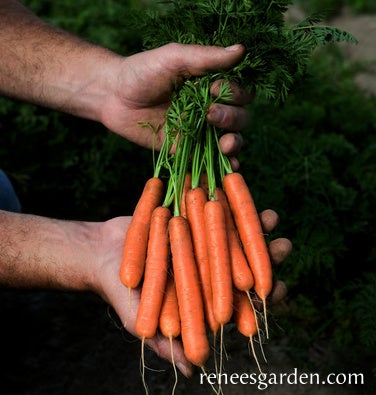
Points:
(108, 285)
(145, 81)
(279, 250)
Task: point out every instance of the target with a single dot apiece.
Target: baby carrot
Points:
(219, 260)
(169, 319)
(250, 232)
(245, 318)
(186, 188)
(195, 203)
(155, 276)
(241, 273)
(193, 331)
(136, 239)
(204, 183)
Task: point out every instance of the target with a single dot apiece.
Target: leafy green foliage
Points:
(276, 54)
(364, 305)
(334, 6)
(105, 24)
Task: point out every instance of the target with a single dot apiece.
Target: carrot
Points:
(245, 318)
(241, 273)
(220, 269)
(136, 239)
(155, 276)
(251, 235)
(169, 319)
(193, 331)
(195, 203)
(219, 260)
(204, 183)
(186, 188)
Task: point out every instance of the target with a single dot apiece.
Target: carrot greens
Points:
(276, 56)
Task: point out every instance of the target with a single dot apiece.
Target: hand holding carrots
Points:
(109, 287)
(144, 83)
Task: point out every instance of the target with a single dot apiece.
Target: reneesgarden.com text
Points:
(263, 380)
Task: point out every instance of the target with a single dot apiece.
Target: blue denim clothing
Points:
(8, 198)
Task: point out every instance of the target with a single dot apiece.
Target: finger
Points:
(279, 250)
(231, 143)
(162, 347)
(279, 292)
(269, 220)
(228, 117)
(234, 163)
(240, 96)
(191, 59)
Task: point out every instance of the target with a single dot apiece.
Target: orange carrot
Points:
(186, 188)
(245, 319)
(251, 235)
(244, 316)
(241, 273)
(155, 276)
(193, 331)
(219, 260)
(136, 239)
(204, 183)
(195, 203)
(250, 232)
(169, 319)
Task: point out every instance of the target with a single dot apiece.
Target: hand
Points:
(146, 80)
(279, 250)
(125, 303)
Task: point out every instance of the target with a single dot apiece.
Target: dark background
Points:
(312, 160)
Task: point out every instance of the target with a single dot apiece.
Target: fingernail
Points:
(215, 115)
(233, 48)
(183, 369)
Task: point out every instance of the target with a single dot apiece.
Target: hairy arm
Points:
(47, 66)
(38, 252)
(44, 253)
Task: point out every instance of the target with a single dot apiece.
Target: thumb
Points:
(194, 60)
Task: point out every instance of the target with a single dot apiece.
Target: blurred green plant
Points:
(334, 6)
(64, 166)
(313, 161)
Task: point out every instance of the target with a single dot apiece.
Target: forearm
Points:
(38, 252)
(46, 66)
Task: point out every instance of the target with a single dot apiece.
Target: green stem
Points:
(209, 161)
(164, 156)
(224, 164)
(197, 162)
(179, 169)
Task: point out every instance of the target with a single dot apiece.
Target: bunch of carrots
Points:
(195, 245)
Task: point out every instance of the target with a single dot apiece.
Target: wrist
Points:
(40, 252)
(89, 84)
